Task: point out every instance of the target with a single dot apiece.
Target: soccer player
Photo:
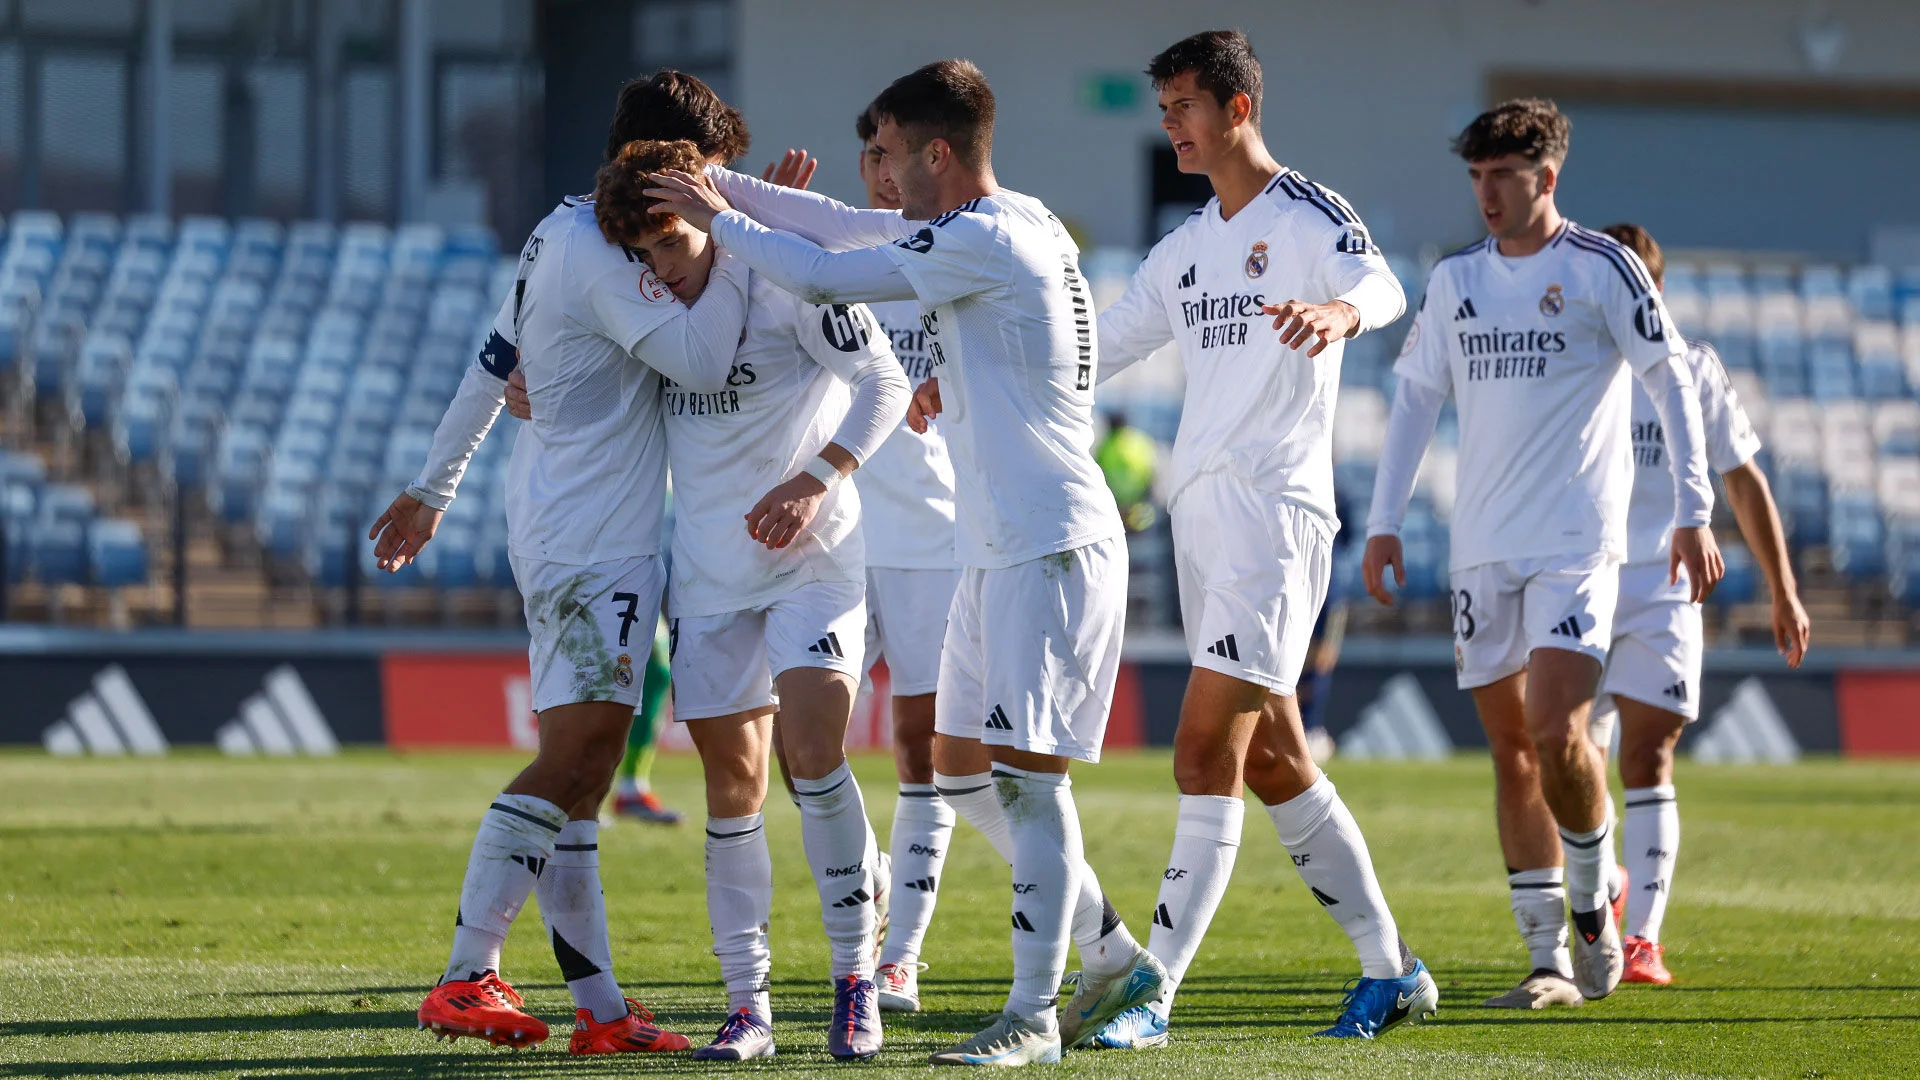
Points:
(1033, 637)
(633, 794)
(1536, 331)
(1652, 682)
(906, 501)
(592, 330)
(1251, 499)
(772, 610)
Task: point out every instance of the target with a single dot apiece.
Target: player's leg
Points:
(633, 794)
(905, 608)
(1650, 831)
(1569, 615)
(815, 635)
(723, 692)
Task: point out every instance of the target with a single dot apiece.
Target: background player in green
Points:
(633, 794)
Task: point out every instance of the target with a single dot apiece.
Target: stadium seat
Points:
(57, 552)
(117, 553)
(1741, 582)
(1858, 537)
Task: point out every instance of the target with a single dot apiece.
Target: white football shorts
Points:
(592, 627)
(1253, 571)
(1033, 650)
(906, 622)
(725, 664)
(1658, 642)
(1503, 611)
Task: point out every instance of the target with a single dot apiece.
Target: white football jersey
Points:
(906, 489)
(1256, 410)
(587, 478)
(1538, 352)
(1010, 327)
(1731, 443)
(785, 397)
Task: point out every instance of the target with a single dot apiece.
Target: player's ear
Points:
(939, 152)
(1549, 177)
(1239, 108)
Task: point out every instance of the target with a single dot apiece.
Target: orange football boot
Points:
(1619, 900)
(485, 1008)
(633, 1033)
(1646, 963)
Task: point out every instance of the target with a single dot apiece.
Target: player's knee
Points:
(1646, 763)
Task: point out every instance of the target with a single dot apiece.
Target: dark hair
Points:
(621, 206)
(671, 104)
(947, 99)
(865, 126)
(1222, 62)
(1534, 128)
(1643, 245)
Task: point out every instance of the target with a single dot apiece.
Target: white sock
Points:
(1206, 840)
(1327, 849)
(838, 843)
(922, 831)
(1588, 856)
(575, 911)
(739, 903)
(1106, 947)
(1539, 899)
(1651, 837)
(510, 851)
(1046, 854)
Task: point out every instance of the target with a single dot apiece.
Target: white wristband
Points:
(824, 471)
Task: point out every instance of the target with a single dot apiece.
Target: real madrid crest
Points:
(623, 671)
(1553, 303)
(1257, 259)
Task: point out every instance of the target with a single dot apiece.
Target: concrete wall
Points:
(1361, 95)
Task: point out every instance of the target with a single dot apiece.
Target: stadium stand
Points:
(272, 385)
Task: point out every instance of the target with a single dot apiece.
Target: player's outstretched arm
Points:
(412, 518)
(402, 530)
(1759, 517)
(1416, 411)
(825, 221)
(1670, 385)
(695, 346)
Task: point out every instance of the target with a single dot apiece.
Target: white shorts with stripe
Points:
(1503, 611)
(587, 624)
(907, 622)
(726, 664)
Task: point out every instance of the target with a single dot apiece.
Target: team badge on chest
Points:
(1554, 302)
(1257, 259)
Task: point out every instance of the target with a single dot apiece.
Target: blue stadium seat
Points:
(57, 552)
(117, 553)
(1741, 583)
(1858, 536)
(1802, 497)
(67, 503)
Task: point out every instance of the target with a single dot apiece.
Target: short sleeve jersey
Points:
(1539, 351)
(1254, 409)
(1731, 443)
(587, 479)
(786, 395)
(906, 487)
(1010, 330)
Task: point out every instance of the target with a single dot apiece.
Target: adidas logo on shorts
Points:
(1225, 648)
(1569, 627)
(1678, 691)
(997, 720)
(828, 646)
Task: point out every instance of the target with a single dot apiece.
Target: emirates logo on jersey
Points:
(1257, 259)
(1554, 302)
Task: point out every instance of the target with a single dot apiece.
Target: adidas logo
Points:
(1678, 691)
(859, 897)
(1225, 647)
(828, 646)
(1398, 724)
(281, 720)
(1020, 922)
(110, 719)
(1569, 627)
(1325, 900)
(1465, 311)
(533, 863)
(1187, 279)
(925, 884)
(997, 720)
(1162, 917)
(1747, 729)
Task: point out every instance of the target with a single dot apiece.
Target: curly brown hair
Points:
(621, 206)
(1534, 128)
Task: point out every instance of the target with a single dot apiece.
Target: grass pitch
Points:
(206, 917)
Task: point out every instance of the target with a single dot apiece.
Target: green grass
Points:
(205, 917)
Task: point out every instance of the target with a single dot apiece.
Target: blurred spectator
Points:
(1129, 458)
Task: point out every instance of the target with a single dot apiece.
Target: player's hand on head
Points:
(693, 199)
(1792, 630)
(784, 513)
(518, 404)
(794, 170)
(1383, 551)
(924, 406)
(1694, 548)
(1300, 323)
(401, 531)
